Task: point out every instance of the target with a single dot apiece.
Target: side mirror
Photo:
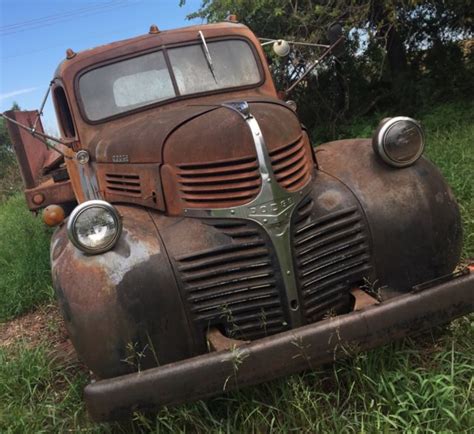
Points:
(281, 48)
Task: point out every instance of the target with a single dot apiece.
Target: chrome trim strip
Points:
(272, 209)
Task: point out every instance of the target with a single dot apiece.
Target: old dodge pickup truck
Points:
(202, 244)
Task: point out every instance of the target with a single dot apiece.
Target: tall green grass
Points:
(37, 394)
(25, 273)
(417, 385)
(450, 145)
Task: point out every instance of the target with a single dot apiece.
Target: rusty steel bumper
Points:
(282, 354)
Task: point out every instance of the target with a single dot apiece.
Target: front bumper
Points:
(282, 354)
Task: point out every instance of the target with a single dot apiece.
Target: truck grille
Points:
(332, 255)
(235, 285)
(291, 165)
(123, 184)
(219, 184)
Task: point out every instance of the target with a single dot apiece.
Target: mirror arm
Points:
(316, 63)
(267, 41)
(62, 149)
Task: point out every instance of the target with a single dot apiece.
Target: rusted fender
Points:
(412, 214)
(122, 308)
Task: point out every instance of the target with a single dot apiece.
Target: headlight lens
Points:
(94, 226)
(399, 141)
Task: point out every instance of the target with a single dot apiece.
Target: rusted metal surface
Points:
(138, 137)
(122, 308)
(218, 342)
(283, 354)
(412, 214)
(362, 299)
(67, 71)
(220, 170)
(49, 193)
(32, 154)
(38, 164)
(225, 273)
(131, 183)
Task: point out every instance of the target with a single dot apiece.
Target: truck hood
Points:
(158, 136)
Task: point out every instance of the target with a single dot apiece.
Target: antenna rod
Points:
(287, 91)
(40, 112)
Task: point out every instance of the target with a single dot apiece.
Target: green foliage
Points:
(451, 147)
(10, 180)
(6, 154)
(400, 56)
(25, 279)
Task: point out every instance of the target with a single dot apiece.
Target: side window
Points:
(63, 112)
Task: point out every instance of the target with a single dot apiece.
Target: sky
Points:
(34, 36)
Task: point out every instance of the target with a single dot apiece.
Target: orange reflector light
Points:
(154, 29)
(53, 215)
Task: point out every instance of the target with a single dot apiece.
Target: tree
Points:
(397, 51)
(9, 173)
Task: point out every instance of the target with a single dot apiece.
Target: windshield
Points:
(146, 79)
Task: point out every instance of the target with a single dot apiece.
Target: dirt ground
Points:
(42, 325)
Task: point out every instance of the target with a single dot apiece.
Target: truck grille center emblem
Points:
(272, 209)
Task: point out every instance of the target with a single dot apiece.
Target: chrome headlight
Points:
(94, 226)
(399, 141)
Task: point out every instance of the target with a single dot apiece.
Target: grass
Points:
(24, 259)
(37, 394)
(422, 384)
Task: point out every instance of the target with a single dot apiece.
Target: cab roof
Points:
(77, 61)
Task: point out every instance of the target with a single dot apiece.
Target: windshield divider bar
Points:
(170, 69)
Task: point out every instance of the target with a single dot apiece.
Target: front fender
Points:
(412, 214)
(122, 308)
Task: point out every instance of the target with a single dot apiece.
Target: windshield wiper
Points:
(208, 55)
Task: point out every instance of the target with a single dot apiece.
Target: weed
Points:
(238, 356)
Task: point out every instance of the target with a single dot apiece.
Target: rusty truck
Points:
(202, 244)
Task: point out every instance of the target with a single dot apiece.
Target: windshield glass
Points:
(144, 80)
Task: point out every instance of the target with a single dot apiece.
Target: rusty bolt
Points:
(38, 198)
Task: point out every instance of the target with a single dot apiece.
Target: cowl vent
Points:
(128, 185)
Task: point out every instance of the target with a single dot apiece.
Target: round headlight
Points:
(399, 141)
(94, 226)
